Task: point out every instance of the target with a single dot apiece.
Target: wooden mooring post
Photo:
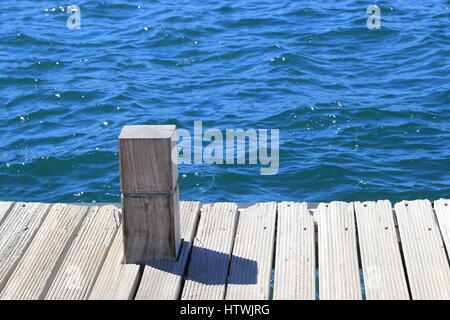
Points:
(150, 198)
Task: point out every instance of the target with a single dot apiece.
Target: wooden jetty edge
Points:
(158, 247)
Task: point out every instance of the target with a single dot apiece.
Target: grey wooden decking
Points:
(331, 250)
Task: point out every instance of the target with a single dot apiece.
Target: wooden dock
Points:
(287, 250)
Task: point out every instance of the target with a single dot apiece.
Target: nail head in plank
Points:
(161, 280)
(295, 261)
(76, 276)
(384, 276)
(209, 264)
(425, 258)
(35, 271)
(338, 255)
(251, 263)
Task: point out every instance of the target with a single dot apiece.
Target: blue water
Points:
(363, 114)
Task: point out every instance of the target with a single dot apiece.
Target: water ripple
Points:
(363, 114)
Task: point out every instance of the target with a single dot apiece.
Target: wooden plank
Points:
(35, 271)
(75, 278)
(5, 207)
(161, 280)
(384, 276)
(16, 233)
(425, 258)
(338, 255)
(295, 261)
(116, 280)
(442, 209)
(251, 263)
(211, 254)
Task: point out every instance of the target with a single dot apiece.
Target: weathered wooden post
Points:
(149, 186)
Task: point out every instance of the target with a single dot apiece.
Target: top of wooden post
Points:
(146, 164)
(148, 132)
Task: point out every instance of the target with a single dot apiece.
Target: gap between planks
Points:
(251, 262)
(36, 269)
(81, 265)
(426, 261)
(209, 264)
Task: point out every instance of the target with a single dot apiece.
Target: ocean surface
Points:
(363, 114)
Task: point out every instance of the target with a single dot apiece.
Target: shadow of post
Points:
(209, 267)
